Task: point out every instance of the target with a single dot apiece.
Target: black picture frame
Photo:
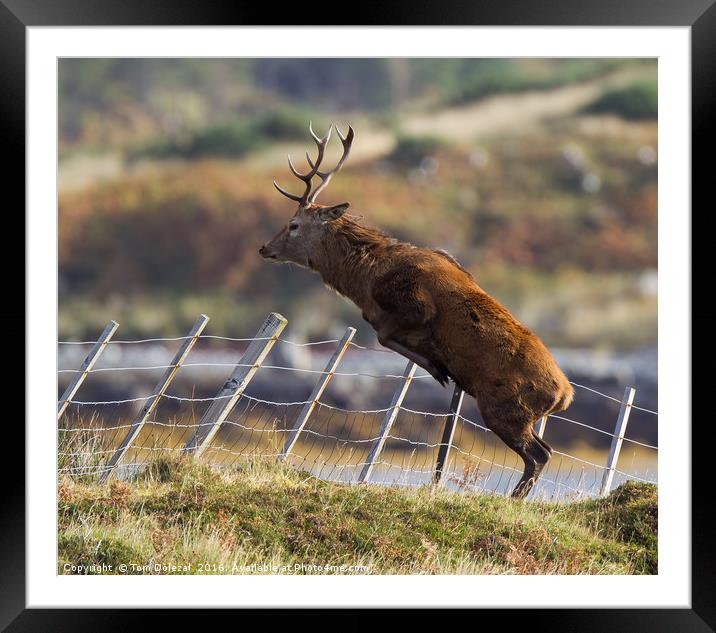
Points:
(699, 15)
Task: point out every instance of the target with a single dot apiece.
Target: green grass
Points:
(186, 515)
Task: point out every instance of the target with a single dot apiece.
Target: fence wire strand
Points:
(335, 442)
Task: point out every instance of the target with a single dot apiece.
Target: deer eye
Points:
(293, 226)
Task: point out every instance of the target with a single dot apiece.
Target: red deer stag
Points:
(424, 305)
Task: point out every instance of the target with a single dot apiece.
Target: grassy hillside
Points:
(180, 513)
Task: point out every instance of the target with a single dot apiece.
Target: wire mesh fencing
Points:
(385, 439)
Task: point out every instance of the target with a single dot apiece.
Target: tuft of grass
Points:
(81, 450)
(629, 515)
(180, 516)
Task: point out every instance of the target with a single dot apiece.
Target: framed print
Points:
(429, 365)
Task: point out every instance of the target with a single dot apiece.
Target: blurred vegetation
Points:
(640, 100)
(233, 138)
(557, 218)
(412, 150)
(509, 76)
(114, 102)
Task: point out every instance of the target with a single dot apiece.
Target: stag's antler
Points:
(325, 177)
(308, 196)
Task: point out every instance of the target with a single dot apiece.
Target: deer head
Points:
(305, 231)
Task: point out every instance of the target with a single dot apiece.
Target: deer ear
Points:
(328, 214)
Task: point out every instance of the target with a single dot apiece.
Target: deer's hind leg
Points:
(544, 444)
(537, 454)
(514, 426)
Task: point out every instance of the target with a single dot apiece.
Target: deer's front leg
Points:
(438, 373)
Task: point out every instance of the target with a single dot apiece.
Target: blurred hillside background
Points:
(539, 175)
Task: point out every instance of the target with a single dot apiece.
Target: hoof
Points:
(441, 376)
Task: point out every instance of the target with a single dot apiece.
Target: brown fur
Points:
(426, 306)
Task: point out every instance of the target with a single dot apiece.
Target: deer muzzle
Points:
(266, 253)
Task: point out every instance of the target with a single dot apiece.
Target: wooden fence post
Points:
(617, 440)
(448, 433)
(86, 366)
(232, 389)
(540, 425)
(317, 392)
(151, 403)
(390, 415)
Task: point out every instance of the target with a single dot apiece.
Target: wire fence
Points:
(393, 444)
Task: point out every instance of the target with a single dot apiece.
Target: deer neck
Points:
(350, 259)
